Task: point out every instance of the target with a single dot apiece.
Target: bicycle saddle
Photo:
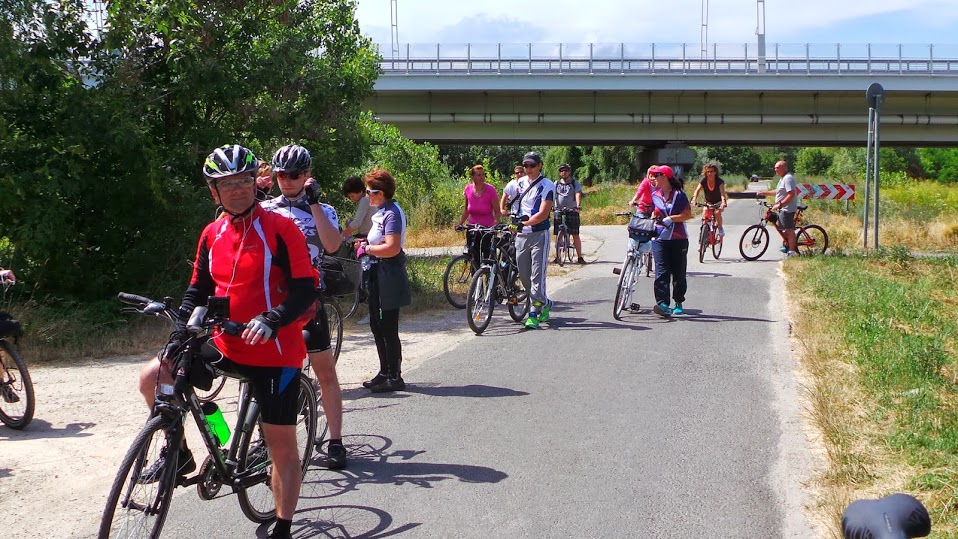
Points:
(9, 327)
(898, 516)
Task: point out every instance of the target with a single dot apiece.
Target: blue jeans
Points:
(671, 261)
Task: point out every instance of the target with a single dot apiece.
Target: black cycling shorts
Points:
(276, 389)
(316, 331)
(571, 222)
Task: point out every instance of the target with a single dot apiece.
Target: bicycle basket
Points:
(641, 229)
(340, 275)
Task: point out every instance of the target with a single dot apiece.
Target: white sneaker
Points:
(791, 253)
(721, 231)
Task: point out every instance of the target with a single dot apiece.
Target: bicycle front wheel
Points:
(569, 251)
(257, 501)
(812, 239)
(623, 291)
(703, 242)
(16, 388)
(135, 506)
(455, 281)
(481, 300)
(719, 240)
(562, 242)
(754, 242)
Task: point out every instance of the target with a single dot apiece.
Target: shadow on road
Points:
(578, 323)
(39, 429)
(696, 315)
(472, 390)
(372, 460)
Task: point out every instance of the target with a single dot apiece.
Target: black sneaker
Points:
(185, 461)
(581, 261)
(389, 385)
(279, 535)
(8, 394)
(375, 381)
(335, 457)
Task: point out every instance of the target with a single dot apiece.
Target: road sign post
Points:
(875, 94)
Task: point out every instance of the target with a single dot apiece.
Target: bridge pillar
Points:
(676, 155)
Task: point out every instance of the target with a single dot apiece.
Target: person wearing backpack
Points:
(529, 200)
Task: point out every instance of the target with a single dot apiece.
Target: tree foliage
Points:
(102, 137)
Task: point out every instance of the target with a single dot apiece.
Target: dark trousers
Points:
(385, 328)
(671, 260)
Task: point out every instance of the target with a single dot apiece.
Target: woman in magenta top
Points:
(643, 195)
(481, 207)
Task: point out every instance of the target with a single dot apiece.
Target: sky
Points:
(663, 21)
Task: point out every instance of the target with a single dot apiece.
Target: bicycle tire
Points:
(256, 501)
(130, 517)
(519, 309)
(717, 244)
(703, 241)
(569, 250)
(623, 290)
(455, 280)
(213, 392)
(649, 264)
(334, 313)
(812, 239)
(754, 242)
(20, 386)
(562, 240)
(481, 300)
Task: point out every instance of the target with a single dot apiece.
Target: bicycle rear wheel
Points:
(334, 313)
(481, 300)
(703, 241)
(256, 501)
(16, 388)
(138, 509)
(562, 242)
(754, 242)
(455, 281)
(719, 240)
(519, 308)
(623, 290)
(812, 239)
(649, 264)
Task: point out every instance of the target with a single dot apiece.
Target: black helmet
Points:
(565, 166)
(292, 159)
(228, 160)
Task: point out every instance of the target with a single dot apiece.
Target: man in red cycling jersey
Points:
(260, 261)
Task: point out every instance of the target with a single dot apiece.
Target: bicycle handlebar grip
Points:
(233, 328)
(132, 299)
(898, 516)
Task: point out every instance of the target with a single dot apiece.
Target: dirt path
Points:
(56, 474)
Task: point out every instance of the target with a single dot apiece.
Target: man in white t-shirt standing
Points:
(786, 203)
(532, 196)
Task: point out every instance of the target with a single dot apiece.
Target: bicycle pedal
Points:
(617, 271)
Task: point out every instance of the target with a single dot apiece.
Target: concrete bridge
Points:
(656, 95)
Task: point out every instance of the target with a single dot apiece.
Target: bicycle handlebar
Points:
(709, 206)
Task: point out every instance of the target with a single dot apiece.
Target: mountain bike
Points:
(635, 262)
(565, 250)
(459, 271)
(810, 239)
(709, 232)
(17, 401)
(496, 281)
(140, 497)
(342, 275)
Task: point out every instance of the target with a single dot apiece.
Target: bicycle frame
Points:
(501, 259)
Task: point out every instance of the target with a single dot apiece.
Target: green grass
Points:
(887, 328)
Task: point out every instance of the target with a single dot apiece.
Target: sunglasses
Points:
(529, 165)
(373, 191)
(233, 185)
(657, 174)
(290, 175)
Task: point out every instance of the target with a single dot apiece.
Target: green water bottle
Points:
(214, 416)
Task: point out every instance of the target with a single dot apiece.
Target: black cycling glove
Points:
(312, 193)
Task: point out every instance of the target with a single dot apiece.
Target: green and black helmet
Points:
(229, 160)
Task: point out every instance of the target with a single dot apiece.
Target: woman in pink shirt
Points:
(643, 195)
(481, 207)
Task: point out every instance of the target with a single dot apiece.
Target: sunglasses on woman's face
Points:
(373, 191)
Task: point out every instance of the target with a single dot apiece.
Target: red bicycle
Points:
(811, 239)
(709, 232)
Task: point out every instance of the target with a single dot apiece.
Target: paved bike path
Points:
(591, 427)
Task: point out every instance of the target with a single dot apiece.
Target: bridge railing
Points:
(669, 58)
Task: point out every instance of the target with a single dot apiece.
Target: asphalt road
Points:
(590, 427)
